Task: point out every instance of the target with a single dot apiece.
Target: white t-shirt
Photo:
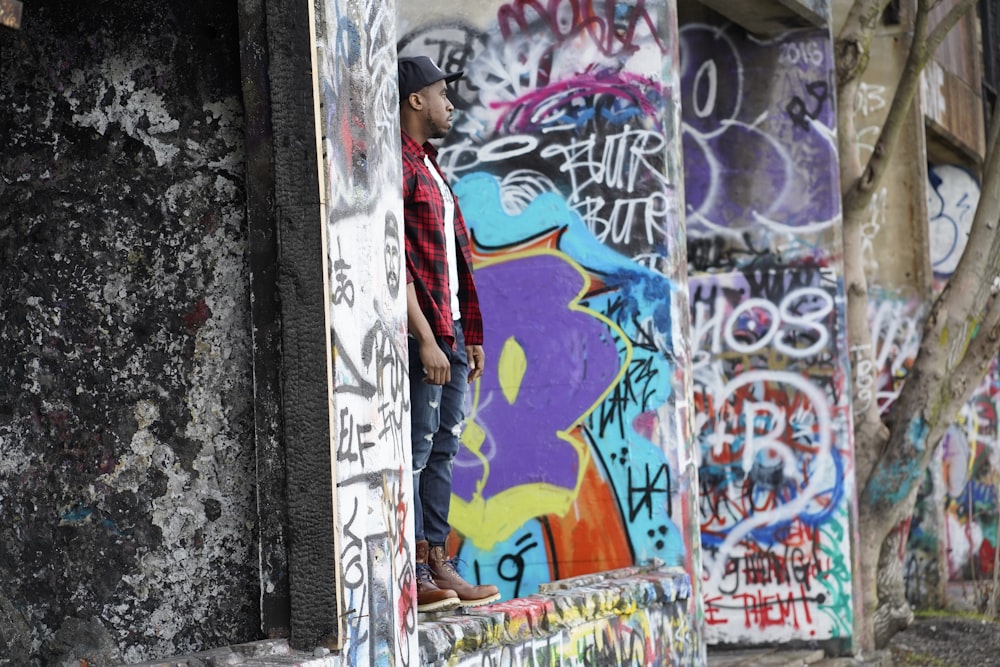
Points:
(449, 237)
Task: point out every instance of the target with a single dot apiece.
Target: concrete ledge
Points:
(552, 624)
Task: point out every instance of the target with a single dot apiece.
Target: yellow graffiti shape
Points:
(512, 366)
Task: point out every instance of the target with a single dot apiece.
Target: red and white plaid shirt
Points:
(426, 253)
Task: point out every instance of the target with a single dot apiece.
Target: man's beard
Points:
(436, 131)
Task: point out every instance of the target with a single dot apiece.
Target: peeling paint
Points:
(141, 112)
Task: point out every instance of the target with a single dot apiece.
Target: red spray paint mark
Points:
(195, 318)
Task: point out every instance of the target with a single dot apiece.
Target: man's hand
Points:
(436, 363)
(477, 360)
(437, 366)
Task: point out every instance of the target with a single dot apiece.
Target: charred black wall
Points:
(127, 508)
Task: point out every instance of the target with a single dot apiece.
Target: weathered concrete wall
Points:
(953, 530)
(898, 208)
(899, 282)
(126, 500)
(772, 394)
(565, 157)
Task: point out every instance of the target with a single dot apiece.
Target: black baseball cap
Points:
(418, 72)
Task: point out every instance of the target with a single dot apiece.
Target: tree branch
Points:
(949, 21)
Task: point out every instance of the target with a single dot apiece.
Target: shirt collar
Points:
(410, 145)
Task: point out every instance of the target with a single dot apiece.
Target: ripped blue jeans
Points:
(437, 415)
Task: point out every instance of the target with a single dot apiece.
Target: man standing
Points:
(446, 330)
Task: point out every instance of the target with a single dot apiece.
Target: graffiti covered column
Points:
(366, 299)
(771, 375)
(565, 156)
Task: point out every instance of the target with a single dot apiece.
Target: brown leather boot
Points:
(446, 575)
(429, 596)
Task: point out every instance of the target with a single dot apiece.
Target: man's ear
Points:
(415, 101)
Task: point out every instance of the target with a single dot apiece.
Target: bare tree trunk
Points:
(868, 559)
(894, 612)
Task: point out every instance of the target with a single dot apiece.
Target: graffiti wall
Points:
(565, 158)
(367, 312)
(969, 470)
(771, 393)
(964, 484)
(952, 197)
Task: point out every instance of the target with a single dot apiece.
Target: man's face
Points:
(437, 109)
(392, 259)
